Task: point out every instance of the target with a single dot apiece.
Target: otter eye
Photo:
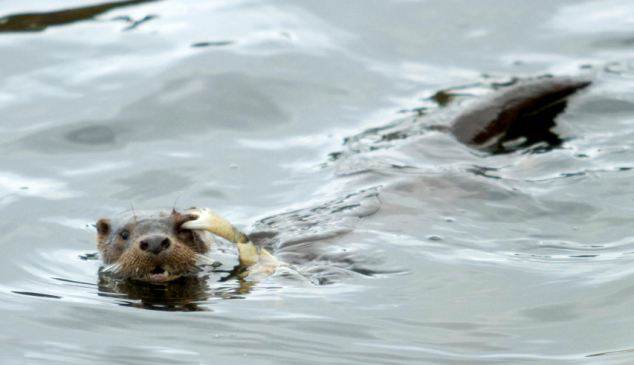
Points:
(124, 234)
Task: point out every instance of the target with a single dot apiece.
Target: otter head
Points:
(149, 246)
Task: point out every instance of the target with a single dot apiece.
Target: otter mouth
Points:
(160, 275)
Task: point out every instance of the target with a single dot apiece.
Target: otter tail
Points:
(526, 110)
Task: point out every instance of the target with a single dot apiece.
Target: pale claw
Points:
(202, 222)
(212, 222)
(248, 253)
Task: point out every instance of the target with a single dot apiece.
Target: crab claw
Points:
(201, 222)
(249, 254)
(212, 222)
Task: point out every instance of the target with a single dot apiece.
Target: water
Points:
(307, 123)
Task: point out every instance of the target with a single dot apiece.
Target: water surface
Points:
(308, 123)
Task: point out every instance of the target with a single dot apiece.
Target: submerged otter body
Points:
(163, 246)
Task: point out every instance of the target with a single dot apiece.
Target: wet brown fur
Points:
(128, 260)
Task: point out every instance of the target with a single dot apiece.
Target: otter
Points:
(159, 247)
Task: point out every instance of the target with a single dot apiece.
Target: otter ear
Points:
(103, 226)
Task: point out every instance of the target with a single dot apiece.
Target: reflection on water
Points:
(40, 295)
(37, 22)
(212, 44)
(184, 294)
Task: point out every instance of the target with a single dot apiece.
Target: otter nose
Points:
(155, 244)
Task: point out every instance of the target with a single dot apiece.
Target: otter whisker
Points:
(175, 202)
(133, 213)
(112, 268)
(204, 260)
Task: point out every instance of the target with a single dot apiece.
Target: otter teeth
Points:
(158, 271)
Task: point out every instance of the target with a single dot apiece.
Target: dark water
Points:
(307, 123)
